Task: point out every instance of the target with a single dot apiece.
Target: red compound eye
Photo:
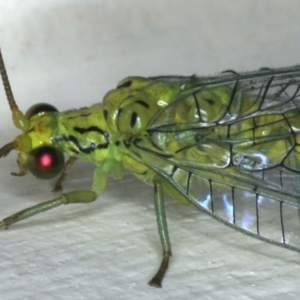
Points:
(45, 162)
(39, 109)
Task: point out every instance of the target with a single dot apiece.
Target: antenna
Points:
(20, 121)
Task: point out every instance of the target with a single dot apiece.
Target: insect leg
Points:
(84, 196)
(163, 234)
(64, 174)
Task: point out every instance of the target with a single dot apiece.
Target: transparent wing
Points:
(248, 121)
(229, 97)
(230, 145)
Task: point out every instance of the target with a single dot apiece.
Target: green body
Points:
(228, 144)
(136, 128)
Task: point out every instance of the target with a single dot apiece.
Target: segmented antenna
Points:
(8, 91)
(19, 119)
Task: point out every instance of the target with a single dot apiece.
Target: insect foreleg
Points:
(85, 196)
(71, 197)
(163, 234)
(64, 174)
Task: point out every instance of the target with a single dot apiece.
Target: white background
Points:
(70, 53)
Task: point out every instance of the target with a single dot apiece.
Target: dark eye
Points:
(45, 162)
(39, 108)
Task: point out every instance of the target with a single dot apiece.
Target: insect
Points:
(229, 144)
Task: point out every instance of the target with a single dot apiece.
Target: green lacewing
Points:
(229, 144)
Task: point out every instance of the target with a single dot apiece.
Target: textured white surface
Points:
(69, 53)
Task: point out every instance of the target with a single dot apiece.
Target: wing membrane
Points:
(250, 203)
(226, 99)
(231, 145)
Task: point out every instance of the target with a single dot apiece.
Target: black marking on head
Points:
(117, 143)
(102, 146)
(74, 140)
(87, 150)
(82, 130)
(143, 103)
(133, 119)
(90, 129)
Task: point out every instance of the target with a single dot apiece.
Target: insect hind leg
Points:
(84, 196)
(163, 233)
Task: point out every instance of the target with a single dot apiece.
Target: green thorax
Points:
(99, 132)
